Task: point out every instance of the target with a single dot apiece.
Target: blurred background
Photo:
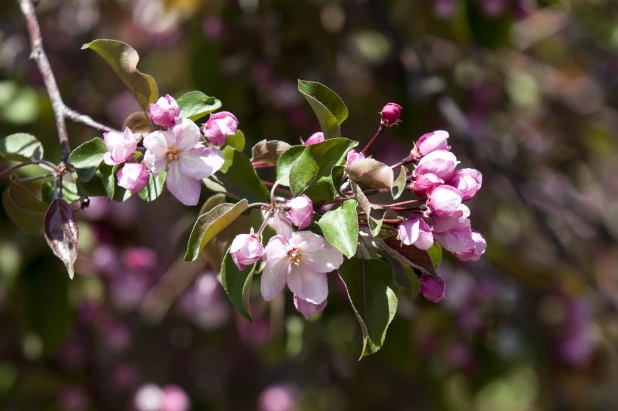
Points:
(528, 90)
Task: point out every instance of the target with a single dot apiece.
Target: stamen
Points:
(296, 256)
(173, 153)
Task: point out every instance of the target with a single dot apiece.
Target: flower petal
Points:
(324, 260)
(306, 308)
(158, 142)
(277, 247)
(184, 188)
(155, 165)
(307, 241)
(200, 162)
(307, 284)
(187, 134)
(273, 277)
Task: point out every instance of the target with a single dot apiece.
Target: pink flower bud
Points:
(121, 146)
(432, 142)
(246, 249)
(301, 211)
(415, 231)
(439, 225)
(219, 126)
(306, 308)
(314, 139)
(426, 183)
(444, 203)
(390, 114)
(442, 163)
(468, 181)
(457, 239)
(353, 156)
(474, 253)
(174, 399)
(165, 111)
(133, 177)
(432, 289)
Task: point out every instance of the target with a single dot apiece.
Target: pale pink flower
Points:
(415, 231)
(148, 398)
(301, 211)
(440, 225)
(165, 111)
(133, 177)
(468, 181)
(174, 399)
(430, 142)
(442, 163)
(426, 183)
(246, 249)
(315, 138)
(353, 156)
(390, 114)
(444, 203)
(281, 224)
(280, 397)
(306, 308)
(121, 146)
(457, 239)
(302, 263)
(219, 126)
(474, 253)
(187, 161)
(432, 289)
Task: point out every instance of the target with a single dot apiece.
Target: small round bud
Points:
(165, 111)
(246, 249)
(432, 289)
(390, 114)
(301, 211)
(133, 177)
(219, 126)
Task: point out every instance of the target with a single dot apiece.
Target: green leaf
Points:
(285, 163)
(237, 285)
(327, 106)
(399, 183)
(108, 179)
(212, 202)
(337, 174)
(87, 157)
(239, 177)
(408, 254)
(374, 215)
(435, 253)
(371, 172)
(210, 224)
(24, 209)
(269, 151)
(153, 190)
(195, 105)
(340, 227)
(123, 59)
(237, 141)
(373, 295)
(69, 192)
(92, 188)
(21, 147)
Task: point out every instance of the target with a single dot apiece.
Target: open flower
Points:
(187, 160)
(302, 263)
(165, 111)
(121, 146)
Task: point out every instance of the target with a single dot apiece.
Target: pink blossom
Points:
(246, 249)
(121, 146)
(314, 139)
(219, 126)
(432, 289)
(442, 163)
(187, 160)
(430, 142)
(302, 263)
(301, 211)
(174, 399)
(468, 181)
(390, 114)
(148, 398)
(426, 183)
(474, 253)
(133, 177)
(306, 308)
(457, 239)
(444, 224)
(139, 258)
(280, 397)
(444, 203)
(165, 111)
(353, 156)
(415, 231)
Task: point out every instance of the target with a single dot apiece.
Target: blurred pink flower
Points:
(280, 397)
(432, 289)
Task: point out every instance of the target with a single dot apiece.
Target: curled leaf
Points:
(327, 106)
(409, 255)
(371, 172)
(61, 233)
(268, 151)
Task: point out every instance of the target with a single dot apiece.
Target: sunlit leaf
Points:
(340, 227)
(87, 157)
(327, 106)
(195, 105)
(21, 147)
(237, 141)
(371, 172)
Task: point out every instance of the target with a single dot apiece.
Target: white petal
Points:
(277, 247)
(201, 162)
(307, 284)
(273, 277)
(155, 165)
(307, 241)
(227, 125)
(187, 134)
(324, 260)
(184, 188)
(158, 142)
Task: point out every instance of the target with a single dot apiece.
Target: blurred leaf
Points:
(24, 209)
(269, 151)
(69, 192)
(123, 59)
(374, 216)
(239, 177)
(237, 141)
(373, 295)
(195, 105)
(237, 285)
(435, 253)
(210, 224)
(410, 255)
(138, 123)
(153, 190)
(328, 107)
(87, 157)
(22, 105)
(21, 147)
(371, 172)
(212, 202)
(61, 233)
(340, 227)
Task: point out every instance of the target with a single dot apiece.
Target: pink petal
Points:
(306, 308)
(201, 162)
(276, 248)
(158, 142)
(185, 189)
(307, 284)
(274, 276)
(187, 134)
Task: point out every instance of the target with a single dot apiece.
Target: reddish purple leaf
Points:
(420, 259)
(61, 233)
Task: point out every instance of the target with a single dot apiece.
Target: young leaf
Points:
(237, 141)
(138, 123)
(154, 188)
(239, 177)
(21, 147)
(373, 296)
(210, 224)
(87, 157)
(371, 172)
(123, 59)
(340, 227)
(399, 183)
(408, 254)
(61, 233)
(285, 163)
(23, 208)
(269, 151)
(435, 253)
(195, 105)
(237, 285)
(374, 216)
(327, 106)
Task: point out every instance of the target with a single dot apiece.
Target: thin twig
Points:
(375, 137)
(79, 118)
(41, 163)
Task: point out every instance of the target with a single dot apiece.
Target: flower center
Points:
(173, 153)
(296, 256)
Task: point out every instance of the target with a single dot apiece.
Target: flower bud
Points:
(432, 289)
(415, 231)
(440, 225)
(301, 211)
(219, 126)
(353, 156)
(474, 253)
(314, 139)
(444, 203)
(468, 181)
(426, 183)
(306, 308)
(121, 146)
(431, 142)
(165, 111)
(133, 177)
(457, 239)
(390, 114)
(246, 249)
(442, 163)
